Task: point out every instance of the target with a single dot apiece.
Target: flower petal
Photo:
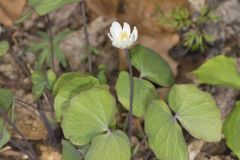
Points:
(134, 34)
(116, 45)
(126, 28)
(111, 38)
(115, 30)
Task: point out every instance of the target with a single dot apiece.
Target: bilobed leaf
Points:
(110, 146)
(4, 45)
(144, 92)
(70, 152)
(46, 6)
(197, 112)
(231, 130)
(39, 83)
(220, 70)
(151, 66)
(6, 99)
(67, 86)
(164, 133)
(72, 78)
(90, 113)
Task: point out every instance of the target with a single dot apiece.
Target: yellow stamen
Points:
(124, 36)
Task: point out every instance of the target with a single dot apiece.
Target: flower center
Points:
(124, 36)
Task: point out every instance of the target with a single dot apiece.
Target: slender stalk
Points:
(87, 42)
(30, 105)
(34, 156)
(11, 142)
(131, 94)
(28, 108)
(51, 41)
(47, 124)
(149, 153)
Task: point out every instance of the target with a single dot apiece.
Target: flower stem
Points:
(51, 40)
(87, 42)
(131, 94)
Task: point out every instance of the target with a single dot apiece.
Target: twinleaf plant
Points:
(87, 111)
(223, 71)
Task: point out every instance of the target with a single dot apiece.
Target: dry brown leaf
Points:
(28, 123)
(10, 10)
(48, 153)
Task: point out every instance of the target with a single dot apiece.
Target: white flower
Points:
(122, 38)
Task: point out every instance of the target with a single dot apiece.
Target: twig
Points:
(51, 40)
(87, 43)
(34, 156)
(131, 94)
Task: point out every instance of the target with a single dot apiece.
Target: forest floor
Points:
(100, 15)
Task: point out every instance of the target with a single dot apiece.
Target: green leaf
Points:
(70, 152)
(76, 83)
(71, 78)
(39, 83)
(4, 134)
(151, 66)
(144, 92)
(4, 137)
(6, 99)
(4, 45)
(51, 78)
(197, 112)
(101, 75)
(164, 133)
(60, 36)
(112, 145)
(231, 130)
(42, 59)
(220, 70)
(60, 55)
(45, 6)
(90, 113)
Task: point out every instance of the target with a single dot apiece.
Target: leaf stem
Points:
(87, 42)
(51, 41)
(131, 93)
(47, 124)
